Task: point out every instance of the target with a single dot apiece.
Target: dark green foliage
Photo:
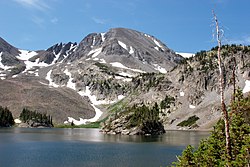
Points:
(6, 118)
(27, 115)
(165, 103)
(145, 118)
(212, 151)
(145, 81)
(189, 122)
(102, 66)
(143, 114)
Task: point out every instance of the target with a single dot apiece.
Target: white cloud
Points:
(245, 40)
(99, 21)
(38, 21)
(34, 4)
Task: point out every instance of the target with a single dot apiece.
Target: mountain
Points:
(116, 75)
(131, 48)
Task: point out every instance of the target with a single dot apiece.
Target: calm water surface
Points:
(24, 147)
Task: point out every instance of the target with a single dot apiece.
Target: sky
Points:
(183, 25)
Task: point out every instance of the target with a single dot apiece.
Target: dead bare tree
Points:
(234, 79)
(221, 82)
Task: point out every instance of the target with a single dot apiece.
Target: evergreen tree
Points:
(213, 152)
(6, 118)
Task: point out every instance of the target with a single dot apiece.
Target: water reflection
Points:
(175, 138)
(26, 147)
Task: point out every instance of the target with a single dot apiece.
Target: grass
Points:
(117, 106)
(189, 122)
(90, 125)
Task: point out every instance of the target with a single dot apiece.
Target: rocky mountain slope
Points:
(108, 73)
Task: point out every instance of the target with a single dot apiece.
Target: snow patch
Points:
(191, 106)
(156, 48)
(51, 83)
(93, 41)
(13, 76)
(131, 50)
(70, 83)
(84, 121)
(157, 43)
(2, 75)
(95, 52)
(146, 35)
(102, 61)
(17, 121)
(186, 55)
(26, 55)
(103, 38)
(125, 74)
(119, 65)
(121, 97)
(182, 93)
(93, 98)
(247, 86)
(160, 69)
(94, 102)
(122, 45)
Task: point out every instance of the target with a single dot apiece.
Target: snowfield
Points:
(122, 45)
(120, 65)
(191, 106)
(247, 86)
(182, 93)
(131, 50)
(160, 69)
(51, 83)
(95, 52)
(26, 55)
(186, 55)
(103, 38)
(70, 83)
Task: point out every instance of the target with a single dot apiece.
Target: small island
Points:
(27, 118)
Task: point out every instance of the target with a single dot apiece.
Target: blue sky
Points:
(183, 25)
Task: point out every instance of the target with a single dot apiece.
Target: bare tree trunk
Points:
(222, 98)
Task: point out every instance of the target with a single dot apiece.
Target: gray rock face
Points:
(6, 47)
(9, 54)
(9, 59)
(129, 47)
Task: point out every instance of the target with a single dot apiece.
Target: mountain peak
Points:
(129, 47)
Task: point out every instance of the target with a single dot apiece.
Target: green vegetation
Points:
(143, 115)
(118, 106)
(165, 103)
(102, 66)
(27, 115)
(6, 118)
(90, 125)
(189, 122)
(145, 81)
(212, 151)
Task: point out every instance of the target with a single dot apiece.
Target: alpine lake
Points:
(56, 147)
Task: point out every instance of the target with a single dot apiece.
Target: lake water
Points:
(24, 147)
